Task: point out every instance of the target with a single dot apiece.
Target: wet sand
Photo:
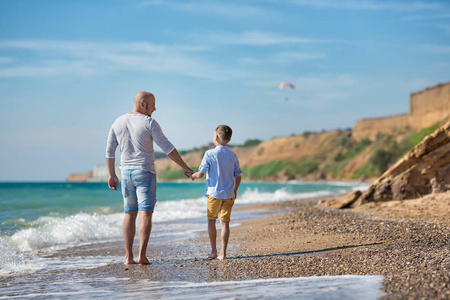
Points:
(410, 249)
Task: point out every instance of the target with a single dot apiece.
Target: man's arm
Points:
(113, 181)
(175, 156)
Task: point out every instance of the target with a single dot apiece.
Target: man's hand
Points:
(113, 182)
(188, 172)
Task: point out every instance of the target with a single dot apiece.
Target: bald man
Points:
(134, 133)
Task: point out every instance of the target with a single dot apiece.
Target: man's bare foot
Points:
(143, 261)
(129, 262)
(221, 257)
(211, 256)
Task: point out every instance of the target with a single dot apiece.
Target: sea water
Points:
(38, 219)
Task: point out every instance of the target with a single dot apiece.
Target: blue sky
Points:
(69, 68)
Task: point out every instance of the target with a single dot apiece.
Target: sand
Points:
(408, 242)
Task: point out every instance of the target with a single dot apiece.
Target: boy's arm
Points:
(238, 182)
(197, 175)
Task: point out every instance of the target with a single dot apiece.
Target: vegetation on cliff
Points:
(423, 170)
(326, 155)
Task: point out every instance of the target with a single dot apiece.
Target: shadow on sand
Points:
(312, 252)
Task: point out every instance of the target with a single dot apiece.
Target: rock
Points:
(424, 170)
(343, 202)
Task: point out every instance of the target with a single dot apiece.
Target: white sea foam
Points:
(181, 218)
(53, 232)
(254, 196)
(316, 287)
(179, 210)
(11, 261)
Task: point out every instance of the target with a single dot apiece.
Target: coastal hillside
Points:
(331, 155)
(362, 153)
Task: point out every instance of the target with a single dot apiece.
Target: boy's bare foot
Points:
(129, 262)
(211, 256)
(221, 257)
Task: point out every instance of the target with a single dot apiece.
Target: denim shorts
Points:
(138, 190)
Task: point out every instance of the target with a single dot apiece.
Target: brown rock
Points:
(343, 202)
(424, 170)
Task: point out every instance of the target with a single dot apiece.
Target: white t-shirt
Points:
(135, 133)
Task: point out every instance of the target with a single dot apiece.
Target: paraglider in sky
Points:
(285, 84)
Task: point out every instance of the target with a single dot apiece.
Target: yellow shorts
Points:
(223, 206)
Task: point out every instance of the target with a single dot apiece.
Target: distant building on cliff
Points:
(98, 174)
(427, 108)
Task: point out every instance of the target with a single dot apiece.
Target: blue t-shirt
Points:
(221, 167)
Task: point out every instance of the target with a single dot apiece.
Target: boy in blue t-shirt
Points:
(223, 177)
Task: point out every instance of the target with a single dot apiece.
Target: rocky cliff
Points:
(422, 171)
(427, 107)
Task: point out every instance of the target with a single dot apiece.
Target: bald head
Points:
(141, 96)
(144, 103)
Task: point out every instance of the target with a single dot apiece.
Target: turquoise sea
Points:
(38, 219)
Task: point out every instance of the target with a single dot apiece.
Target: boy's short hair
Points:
(224, 132)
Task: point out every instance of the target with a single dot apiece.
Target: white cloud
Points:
(426, 17)
(291, 57)
(239, 10)
(256, 38)
(5, 60)
(50, 68)
(419, 84)
(87, 58)
(327, 81)
(435, 49)
(445, 27)
(57, 138)
(79, 58)
(368, 5)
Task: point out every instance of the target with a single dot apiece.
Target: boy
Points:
(222, 182)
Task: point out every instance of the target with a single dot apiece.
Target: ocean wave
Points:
(12, 261)
(49, 233)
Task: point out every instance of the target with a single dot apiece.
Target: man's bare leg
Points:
(212, 238)
(129, 230)
(145, 228)
(225, 235)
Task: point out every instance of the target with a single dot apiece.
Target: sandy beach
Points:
(407, 242)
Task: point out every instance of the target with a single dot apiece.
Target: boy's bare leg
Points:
(225, 234)
(145, 228)
(129, 230)
(212, 238)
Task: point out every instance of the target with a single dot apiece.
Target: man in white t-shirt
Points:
(134, 133)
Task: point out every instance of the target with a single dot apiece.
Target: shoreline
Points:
(300, 239)
(410, 251)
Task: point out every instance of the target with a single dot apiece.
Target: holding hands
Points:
(188, 172)
(197, 175)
